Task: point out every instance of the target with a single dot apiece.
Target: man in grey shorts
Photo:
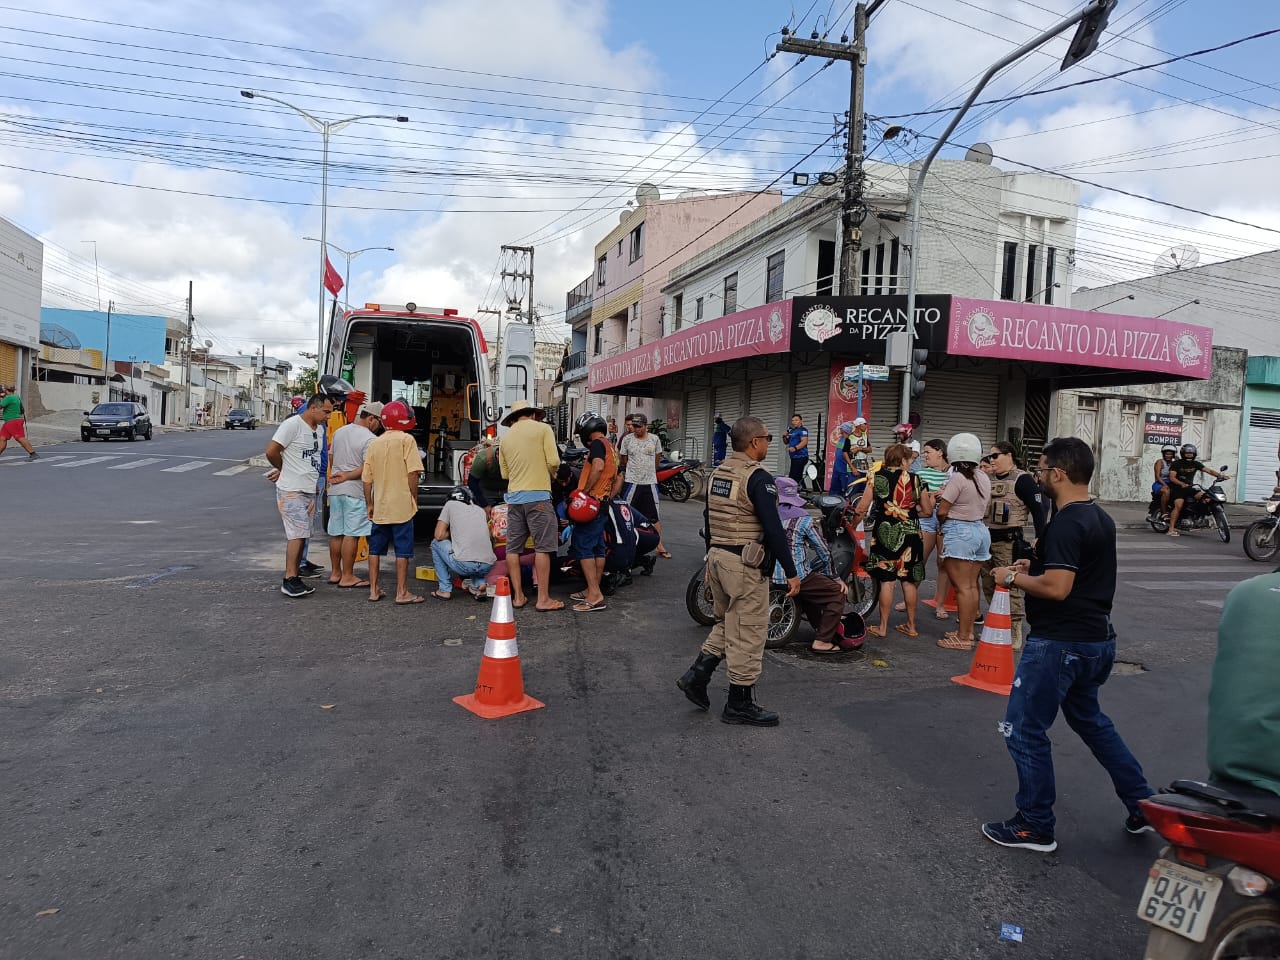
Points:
(529, 459)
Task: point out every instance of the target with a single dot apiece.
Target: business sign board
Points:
(21, 279)
(1164, 429)
(854, 325)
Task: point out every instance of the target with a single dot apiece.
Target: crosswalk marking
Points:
(85, 463)
(1184, 561)
(9, 461)
(145, 461)
(1184, 585)
(232, 471)
(184, 467)
(1216, 604)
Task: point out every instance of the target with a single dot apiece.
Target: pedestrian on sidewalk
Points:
(529, 459)
(596, 481)
(797, 449)
(294, 455)
(719, 441)
(348, 515)
(842, 463)
(1015, 499)
(13, 421)
(392, 469)
(966, 542)
(744, 536)
(1069, 652)
(934, 475)
(461, 547)
(638, 457)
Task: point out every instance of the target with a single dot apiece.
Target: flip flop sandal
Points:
(441, 596)
(581, 596)
(552, 609)
(589, 607)
(941, 615)
(876, 633)
(900, 607)
(906, 631)
(952, 641)
(822, 653)
(407, 603)
(377, 598)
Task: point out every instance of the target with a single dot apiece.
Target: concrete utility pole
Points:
(853, 210)
(186, 372)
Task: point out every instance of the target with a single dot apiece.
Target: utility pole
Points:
(521, 268)
(186, 373)
(106, 354)
(853, 210)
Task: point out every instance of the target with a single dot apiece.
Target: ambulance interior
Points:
(432, 367)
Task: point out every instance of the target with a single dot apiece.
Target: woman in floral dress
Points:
(897, 548)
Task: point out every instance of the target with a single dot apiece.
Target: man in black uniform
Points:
(745, 538)
(1182, 481)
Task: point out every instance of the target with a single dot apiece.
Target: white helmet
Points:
(964, 448)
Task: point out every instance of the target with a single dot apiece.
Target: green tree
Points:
(306, 381)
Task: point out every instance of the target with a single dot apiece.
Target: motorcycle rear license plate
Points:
(1179, 899)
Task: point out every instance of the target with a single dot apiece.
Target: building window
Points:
(600, 265)
(892, 282)
(866, 271)
(597, 338)
(637, 243)
(1050, 272)
(826, 267)
(1032, 260)
(731, 293)
(879, 285)
(1007, 277)
(773, 276)
(677, 305)
(1131, 427)
(697, 310)
(1195, 428)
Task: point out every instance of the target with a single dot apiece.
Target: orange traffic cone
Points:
(500, 687)
(992, 668)
(949, 604)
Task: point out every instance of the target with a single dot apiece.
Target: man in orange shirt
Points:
(588, 535)
(392, 468)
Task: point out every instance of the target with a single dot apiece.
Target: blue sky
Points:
(518, 105)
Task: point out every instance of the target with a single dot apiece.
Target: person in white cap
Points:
(860, 445)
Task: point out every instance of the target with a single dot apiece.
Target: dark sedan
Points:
(239, 418)
(107, 420)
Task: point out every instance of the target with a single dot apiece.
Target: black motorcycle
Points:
(1262, 538)
(1198, 512)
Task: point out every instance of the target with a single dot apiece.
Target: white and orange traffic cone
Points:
(992, 668)
(500, 686)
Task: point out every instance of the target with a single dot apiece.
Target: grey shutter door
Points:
(730, 402)
(694, 440)
(960, 403)
(809, 398)
(1264, 438)
(886, 403)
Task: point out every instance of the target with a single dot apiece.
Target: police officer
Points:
(1015, 499)
(741, 525)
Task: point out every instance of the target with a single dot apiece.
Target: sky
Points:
(532, 122)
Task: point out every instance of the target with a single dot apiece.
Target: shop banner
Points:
(1164, 429)
(861, 325)
(747, 333)
(842, 407)
(1010, 330)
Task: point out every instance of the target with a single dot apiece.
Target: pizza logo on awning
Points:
(777, 329)
(1187, 348)
(820, 324)
(981, 328)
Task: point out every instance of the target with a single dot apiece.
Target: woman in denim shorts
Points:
(934, 474)
(966, 541)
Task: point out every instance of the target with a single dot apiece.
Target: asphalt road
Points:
(174, 788)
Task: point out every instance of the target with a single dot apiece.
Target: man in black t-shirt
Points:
(1182, 479)
(1068, 654)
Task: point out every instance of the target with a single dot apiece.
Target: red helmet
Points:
(396, 415)
(582, 507)
(904, 428)
(297, 403)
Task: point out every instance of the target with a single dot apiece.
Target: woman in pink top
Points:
(966, 541)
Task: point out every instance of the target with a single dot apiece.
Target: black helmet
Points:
(589, 423)
(1189, 451)
(335, 387)
(461, 494)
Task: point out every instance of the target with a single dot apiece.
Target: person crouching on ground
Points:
(595, 481)
(348, 516)
(392, 468)
(462, 547)
(821, 595)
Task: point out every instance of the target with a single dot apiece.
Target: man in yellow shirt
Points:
(528, 458)
(392, 467)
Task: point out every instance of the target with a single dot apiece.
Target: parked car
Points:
(116, 419)
(240, 418)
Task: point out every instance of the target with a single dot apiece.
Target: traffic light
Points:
(1088, 32)
(919, 367)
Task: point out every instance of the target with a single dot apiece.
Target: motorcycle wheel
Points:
(1158, 523)
(784, 617)
(697, 600)
(1248, 933)
(1262, 540)
(679, 488)
(1224, 528)
(862, 594)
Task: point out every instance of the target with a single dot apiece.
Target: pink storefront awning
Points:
(1009, 330)
(747, 333)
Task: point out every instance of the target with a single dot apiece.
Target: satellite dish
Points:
(646, 192)
(979, 153)
(1182, 257)
(56, 335)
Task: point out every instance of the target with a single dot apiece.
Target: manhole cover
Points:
(453, 642)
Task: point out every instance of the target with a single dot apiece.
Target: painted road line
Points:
(232, 471)
(184, 467)
(85, 463)
(1216, 604)
(9, 461)
(1185, 585)
(145, 461)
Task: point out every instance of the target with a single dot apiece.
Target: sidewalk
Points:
(64, 427)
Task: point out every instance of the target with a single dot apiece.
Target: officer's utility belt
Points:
(735, 548)
(1007, 534)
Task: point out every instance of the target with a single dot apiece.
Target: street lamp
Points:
(1109, 302)
(325, 129)
(1092, 20)
(1035, 298)
(350, 255)
(1178, 307)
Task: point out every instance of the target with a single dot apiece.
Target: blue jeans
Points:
(448, 566)
(1053, 674)
(839, 482)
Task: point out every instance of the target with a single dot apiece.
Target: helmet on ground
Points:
(331, 386)
(905, 429)
(964, 448)
(1189, 451)
(589, 423)
(396, 415)
(297, 403)
(461, 494)
(582, 507)
(854, 627)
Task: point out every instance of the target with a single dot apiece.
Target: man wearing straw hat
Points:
(528, 458)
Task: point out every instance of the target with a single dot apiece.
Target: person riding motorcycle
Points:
(1168, 453)
(1182, 479)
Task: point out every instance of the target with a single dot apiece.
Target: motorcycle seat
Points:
(828, 501)
(1232, 795)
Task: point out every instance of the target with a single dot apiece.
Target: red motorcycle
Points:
(1214, 894)
(672, 480)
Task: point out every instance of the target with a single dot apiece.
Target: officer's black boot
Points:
(695, 679)
(741, 708)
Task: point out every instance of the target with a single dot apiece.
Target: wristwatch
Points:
(1013, 575)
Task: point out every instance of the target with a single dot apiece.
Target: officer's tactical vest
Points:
(733, 519)
(1007, 511)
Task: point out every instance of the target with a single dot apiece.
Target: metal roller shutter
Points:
(1264, 438)
(886, 398)
(767, 402)
(729, 402)
(695, 437)
(810, 398)
(9, 365)
(960, 403)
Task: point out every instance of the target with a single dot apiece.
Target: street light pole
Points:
(325, 129)
(1110, 302)
(350, 255)
(1178, 307)
(1092, 20)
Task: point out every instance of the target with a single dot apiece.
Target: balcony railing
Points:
(575, 367)
(578, 301)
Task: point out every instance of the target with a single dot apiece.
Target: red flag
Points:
(332, 281)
